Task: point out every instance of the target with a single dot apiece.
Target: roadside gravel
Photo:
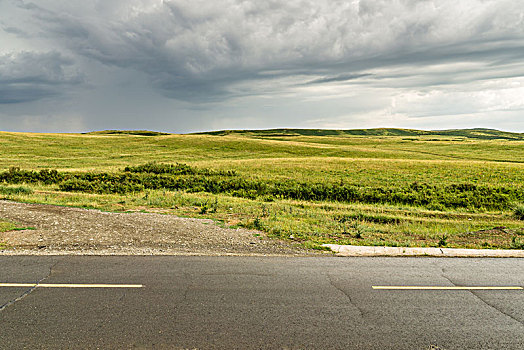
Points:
(64, 230)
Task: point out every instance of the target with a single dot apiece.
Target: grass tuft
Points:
(519, 211)
(10, 190)
(517, 243)
(6, 226)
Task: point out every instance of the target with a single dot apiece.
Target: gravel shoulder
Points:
(63, 230)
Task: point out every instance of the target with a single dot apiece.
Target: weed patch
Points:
(6, 226)
(517, 243)
(443, 241)
(8, 190)
(519, 211)
(175, 169)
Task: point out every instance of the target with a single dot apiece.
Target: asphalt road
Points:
(260, 303)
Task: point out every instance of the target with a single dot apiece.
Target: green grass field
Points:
(458, 188)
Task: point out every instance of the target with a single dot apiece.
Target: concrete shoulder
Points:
(349, 250)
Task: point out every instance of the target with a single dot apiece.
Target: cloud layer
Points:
(29, 76)
(215, 56)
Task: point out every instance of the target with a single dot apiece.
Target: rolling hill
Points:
(478, 133)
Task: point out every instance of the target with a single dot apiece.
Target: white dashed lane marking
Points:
(67, 285)
(447, 288)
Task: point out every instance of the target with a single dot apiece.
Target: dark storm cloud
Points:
(197, 50)
(18, 94)
(31, 76)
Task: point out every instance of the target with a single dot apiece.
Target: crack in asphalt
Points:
(332, 282)
(485, 302)
(494, 307)
(188, 287)
(30, 290)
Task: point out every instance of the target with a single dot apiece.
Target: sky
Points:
(189, 65)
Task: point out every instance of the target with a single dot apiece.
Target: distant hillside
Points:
(479, 133)
(485, 134)
(126, 132)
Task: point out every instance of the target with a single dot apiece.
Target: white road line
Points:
(447, 288)
(64, 285)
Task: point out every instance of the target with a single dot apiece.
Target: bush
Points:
(158, 168)
(516, 243)
(175, 169)
(80, 185)
(15, 190)
(15, 176)
(519, 211)
(77, 185)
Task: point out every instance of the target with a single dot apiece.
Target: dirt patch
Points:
(500, 230)
(62, 230)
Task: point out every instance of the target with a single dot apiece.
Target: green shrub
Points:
(80, 185)
(15, 190)
(174, 169)
(159, 168)
(517, 243)
(519, 211)
(15, 176)
(76, 185)
(443, 241)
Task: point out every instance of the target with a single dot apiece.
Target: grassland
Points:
(399, 186)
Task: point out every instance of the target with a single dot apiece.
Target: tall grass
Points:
(519, 211)
(10, 190)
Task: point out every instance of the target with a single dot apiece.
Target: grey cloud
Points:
(14, 30)
(31, 76)
(338, 78)
(198, 50)
(19, 94)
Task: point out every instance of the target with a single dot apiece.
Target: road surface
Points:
(193, 302)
